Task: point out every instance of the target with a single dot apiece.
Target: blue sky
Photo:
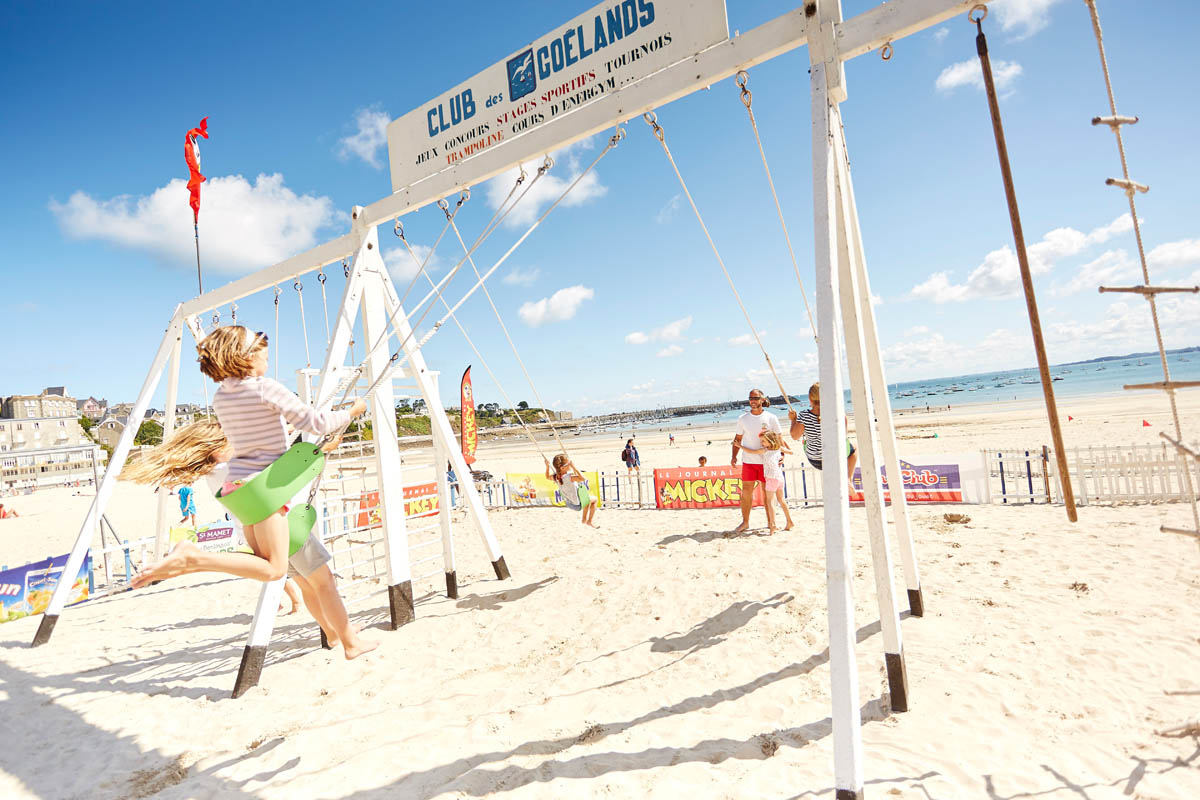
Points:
(616, 301)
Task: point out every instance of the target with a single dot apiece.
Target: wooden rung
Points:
(1128, 185)
(1181, 447)
(1165, 386)
(1181, 531)
(1150, 289)
(1114, 121)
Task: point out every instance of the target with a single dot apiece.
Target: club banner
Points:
(25, 591)
(216, 537)
(952, 478)
(467, 426)
(700, 487)
(533, 489)
(596, 54)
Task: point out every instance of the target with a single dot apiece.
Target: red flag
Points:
(467, 426)
(1145, 424)
(1069, 418)
(191, 154)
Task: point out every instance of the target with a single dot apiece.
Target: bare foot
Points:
(772, 530)
(741, 528)
(789, 526)
(359, 647)
(176, 563)
(295, 608)
(591, 524)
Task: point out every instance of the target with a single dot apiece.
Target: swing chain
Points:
(398, 230)
(346, 267)
(741, 79)
(652, 120)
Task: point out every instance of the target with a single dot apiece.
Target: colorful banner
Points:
(701, 487)
(26, 590)
(420, 500)
(191, 154)
(534, 489)
(467, 425)
(216, 537)
(938, 482)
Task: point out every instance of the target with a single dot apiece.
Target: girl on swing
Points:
(573, 487)
(253, 411)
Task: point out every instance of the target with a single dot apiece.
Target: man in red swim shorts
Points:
(749, 427)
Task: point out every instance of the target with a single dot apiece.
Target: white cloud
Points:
(746, 339)
(1170, 255)
(999, 276)
(1112, 268)
(538, 196)
(941, 33)
(969, 73)
(402, 267)
(916, 330)
(371, 137)
(243, 226)
(520, 277)
(1023, 18)
(671, 332)
(560, 306)
(669, 351)
(925, 354)
(668, 211)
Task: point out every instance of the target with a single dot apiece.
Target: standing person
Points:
(187, 505)
(672, 439)
(750, 426)
(633, 462)
(808, 424)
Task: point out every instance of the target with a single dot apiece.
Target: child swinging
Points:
(253, 410)
(573, 488)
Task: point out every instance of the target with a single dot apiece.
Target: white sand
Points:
(657, 657)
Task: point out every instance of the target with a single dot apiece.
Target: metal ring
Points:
(741, 78)
(747, 98)
(298, 286)
(321, 277)
(233, 313)
(345, 268)
(398, 230)
(980, 7)
(442, 204)
(885, 52)
(464, 196)
(650, 117)
(548, 163)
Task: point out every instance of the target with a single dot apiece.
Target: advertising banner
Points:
(420, 500)
(25, 591)
(467, 426)
(951, 478)
(216, 537)
(700, 487)
(616, 43)
(535, 489)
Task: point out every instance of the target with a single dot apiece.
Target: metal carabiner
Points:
(298, 286)
(463, 196)
(445, 207)
(398, 230)
(321, 276)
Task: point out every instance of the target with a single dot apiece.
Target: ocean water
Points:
(1094, 378)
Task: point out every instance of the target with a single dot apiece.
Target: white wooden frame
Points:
(841, 281)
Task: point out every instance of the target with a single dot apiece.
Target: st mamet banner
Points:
(700, 487)
(467, 426)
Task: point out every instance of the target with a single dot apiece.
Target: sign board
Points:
(216, 537)
(700, 487)
(950, 478)
(598, 52)
(534, 489)
(25, 591)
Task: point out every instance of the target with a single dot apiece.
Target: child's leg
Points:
(850, 462)
(289, 586)
(787, 514)
(589, 513)
(268, 539)
(312, 601)
(323, 585)
(769, 505)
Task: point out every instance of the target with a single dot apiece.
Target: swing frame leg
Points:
(400, 604)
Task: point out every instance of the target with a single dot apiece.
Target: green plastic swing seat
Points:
(301, 521)
(275, 486)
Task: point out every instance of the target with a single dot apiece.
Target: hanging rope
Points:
(450, 215)
(299, 287)
(325, 305)
(652, 121)
(742, 80)
(278, 292)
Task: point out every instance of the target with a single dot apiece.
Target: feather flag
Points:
(467, 426)
(191, 154)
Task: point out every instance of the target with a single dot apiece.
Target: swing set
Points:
(702, 53)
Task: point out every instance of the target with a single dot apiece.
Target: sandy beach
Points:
(659, 656)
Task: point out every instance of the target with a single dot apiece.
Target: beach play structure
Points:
(620, 60)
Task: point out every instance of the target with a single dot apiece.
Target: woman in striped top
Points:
(254, 411)
(808, 424)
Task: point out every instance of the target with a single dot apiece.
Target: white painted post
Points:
(887, 428)
(254, 655)
(79, 550)
(161, 531)
(868, 441)
(375, 313)
(839, 571)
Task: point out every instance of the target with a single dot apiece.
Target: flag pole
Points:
(199, 279)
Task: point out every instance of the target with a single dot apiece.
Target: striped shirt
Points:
(812, 433)
(254, 413)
